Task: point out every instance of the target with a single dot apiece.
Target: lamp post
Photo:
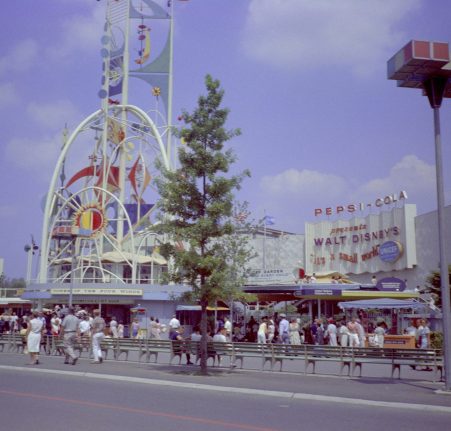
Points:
(426, 65)
(30, 250)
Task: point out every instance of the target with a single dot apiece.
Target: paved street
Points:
(128, 395)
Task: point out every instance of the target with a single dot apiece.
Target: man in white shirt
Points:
(411, 329)
(220, 337)
(174, 324)
(70, 329)
(332, 332)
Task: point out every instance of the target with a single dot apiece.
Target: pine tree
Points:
(197, 202)
(433, 285)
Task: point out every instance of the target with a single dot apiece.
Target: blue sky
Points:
(305, 80)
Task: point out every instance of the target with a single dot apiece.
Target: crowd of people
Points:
(89, 328)
(323, 331)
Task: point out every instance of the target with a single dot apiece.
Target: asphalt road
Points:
(125, 396)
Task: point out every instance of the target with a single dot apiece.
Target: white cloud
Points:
(411, 174)
(311, 34)
(308, 184)
(54, 115)
(34, 155)
(293, 195)
(80, 33)
(40, 152)
(20, 58)
(9, 95)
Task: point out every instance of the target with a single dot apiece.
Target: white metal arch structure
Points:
(79, 244)
(120, 145)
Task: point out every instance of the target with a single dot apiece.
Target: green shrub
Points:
(436, 340)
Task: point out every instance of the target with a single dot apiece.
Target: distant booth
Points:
(124, 301)
(190, 315)
(14, 305)
(391, 312)
(326, 299)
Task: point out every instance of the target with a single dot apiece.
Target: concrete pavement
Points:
(409, 393)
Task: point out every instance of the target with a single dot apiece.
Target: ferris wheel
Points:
(93, 215)
(102, 194)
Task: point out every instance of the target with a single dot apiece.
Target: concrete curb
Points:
(246, 391)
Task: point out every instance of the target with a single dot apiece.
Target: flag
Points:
(269, 220)
(241, 216)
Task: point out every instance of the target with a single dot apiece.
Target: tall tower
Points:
(101, 197)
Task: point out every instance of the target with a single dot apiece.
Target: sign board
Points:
(319, 292)
(94, 300)
(391, 284)
(390, 251)
(99, 291)
(271, 276)
(371, 244)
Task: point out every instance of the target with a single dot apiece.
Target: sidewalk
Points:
(285, 384)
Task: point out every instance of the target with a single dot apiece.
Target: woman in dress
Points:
(343, 333)
(262, 331)
(34, 330)
(271, 330)
(120, 329)
(293, 329)
(154, 328)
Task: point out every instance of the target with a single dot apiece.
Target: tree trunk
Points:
(203, 341)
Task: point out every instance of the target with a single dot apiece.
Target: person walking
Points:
(424, 338)
(85, 330)
(70, 331)
(34, 330)
(14, 323)
(353, 332)
(332, 332)
(135, 328)
(262, 331)
(113, 327)
(343, 332)
(98, 326)
(361, 333)
(120, 329)
(284, 336)
(319, 333)
(271, 330)
(174, 324)
(154, 329)
(423, 333)
(293, 329)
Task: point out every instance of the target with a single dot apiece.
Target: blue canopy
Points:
(382, 303)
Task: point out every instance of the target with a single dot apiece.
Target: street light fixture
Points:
(426, 65)
(30, 250)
